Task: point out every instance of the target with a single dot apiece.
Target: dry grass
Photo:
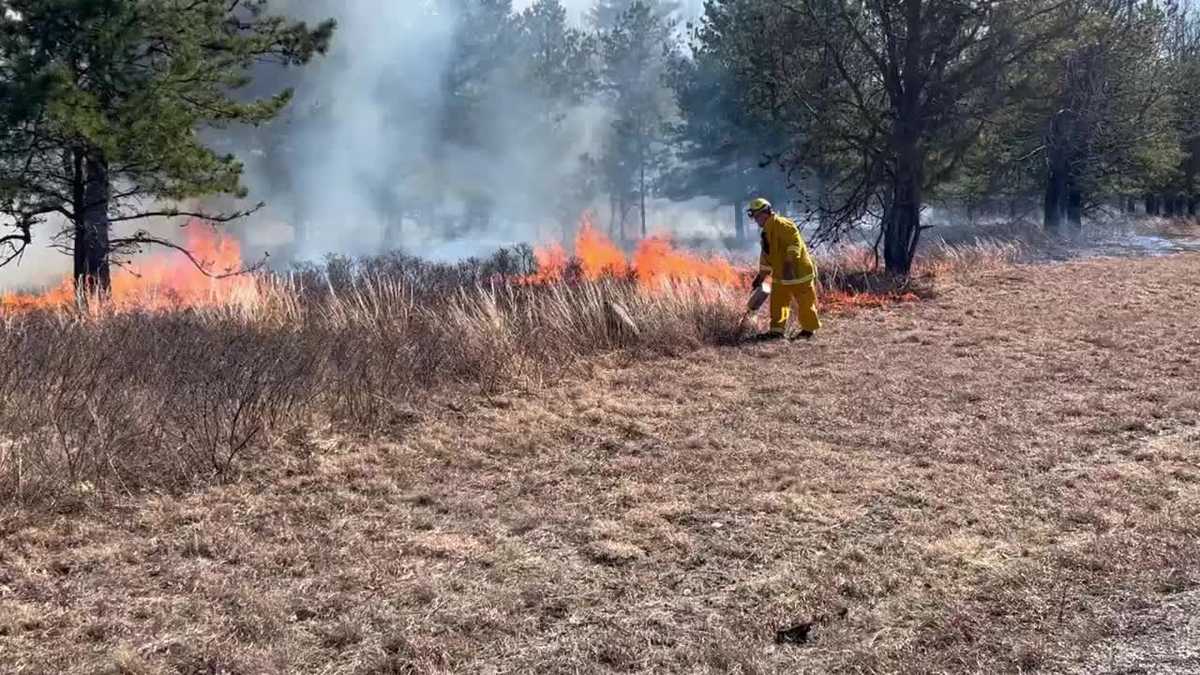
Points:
(104, 403)
(856, 270)
(986, 482)
(1174, 227)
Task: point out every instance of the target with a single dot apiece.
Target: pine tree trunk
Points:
(623, 220)
(612, 216)
(1074, 205)
(92, 274)
(902, 220)
(1054, 206)
(642, 195)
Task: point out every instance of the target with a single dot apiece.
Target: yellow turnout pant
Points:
(804, 295)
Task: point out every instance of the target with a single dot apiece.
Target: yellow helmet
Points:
(757, 205)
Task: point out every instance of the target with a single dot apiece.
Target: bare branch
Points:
(176, 213)
(134, 244)
(16, 244)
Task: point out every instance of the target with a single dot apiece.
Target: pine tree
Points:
(722, 147)
(114, 94)
(1107, 126)
(482, 45)
(605, 14)
(634, 56)
(1183, 51)
(895, 95)
(555, 57)
(556, 73)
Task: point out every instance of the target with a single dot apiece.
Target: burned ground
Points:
(994, 480)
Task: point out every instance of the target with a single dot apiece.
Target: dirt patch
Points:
(1163, 639)
(985, 482)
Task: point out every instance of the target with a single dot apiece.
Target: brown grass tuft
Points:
(960, 485)
(99, 404)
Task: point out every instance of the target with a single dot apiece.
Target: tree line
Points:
(888, 105)
(852, 112)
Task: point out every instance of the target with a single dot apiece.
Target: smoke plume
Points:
(369, 157)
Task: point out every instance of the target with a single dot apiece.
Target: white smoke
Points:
(356, 165)
(368, 166)
(38, 267)
(577, 10)
(368, 172)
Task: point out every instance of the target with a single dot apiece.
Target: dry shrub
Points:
(134, 401)
(967, 260)
(234, 388)
(851, 271)
(99, 401)
(1171, 227)
(853, 280)
(95, 402)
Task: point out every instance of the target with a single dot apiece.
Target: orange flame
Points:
(166, 281)
(162, 282)
(552, 264)
(59, 296)
(598, 256)
(656, 261)
(841, 302)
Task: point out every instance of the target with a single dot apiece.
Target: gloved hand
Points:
(789, 271)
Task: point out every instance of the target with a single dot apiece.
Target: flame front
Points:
(167, 281)
(164, 281)
(598, 256)
(655, 262)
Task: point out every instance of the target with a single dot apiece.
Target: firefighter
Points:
(793, 273)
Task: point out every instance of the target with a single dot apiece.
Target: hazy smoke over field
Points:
(375, 153)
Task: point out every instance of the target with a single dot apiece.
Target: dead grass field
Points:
(992, 481)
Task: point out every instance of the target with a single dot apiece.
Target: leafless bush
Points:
(101, 401)
(234, 388)
(856, 270)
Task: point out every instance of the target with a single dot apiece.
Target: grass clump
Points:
(124, 400)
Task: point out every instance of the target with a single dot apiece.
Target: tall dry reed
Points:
(100, 402)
